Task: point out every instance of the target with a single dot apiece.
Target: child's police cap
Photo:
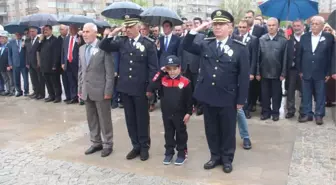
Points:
(172, 60)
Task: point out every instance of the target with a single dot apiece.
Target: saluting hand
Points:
(116, 31)
(186, 118)
(203, 26)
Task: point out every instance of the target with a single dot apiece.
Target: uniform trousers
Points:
(53, 83)
(38, 81)
(175, 127)
(220, 131)
(8, 81)
(137, 120)
(100, 122)
(271, 90)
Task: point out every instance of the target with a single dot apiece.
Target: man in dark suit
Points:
(16, 59)
(293, 79)
(5, 71)
(139, 65)
(190, 64)
(314, 67)
(70, 62)
(257, 31)
(36, 76)
(168, 43)
(222, 86)
(63, 29)
(252, 45)
(50, 61)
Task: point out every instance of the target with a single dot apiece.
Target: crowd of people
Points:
(211, 67)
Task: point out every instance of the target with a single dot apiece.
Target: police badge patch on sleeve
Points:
(181, 85)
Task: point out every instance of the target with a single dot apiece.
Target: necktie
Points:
(88, 54)
(70, 49)
(166, 43)
(132, 42)
(219, 49)
(19, 45)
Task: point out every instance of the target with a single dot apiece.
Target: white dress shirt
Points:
(298, 37)
(251, 30)
(245, 36)
(315, 39)
(136, 39)
(272, 37)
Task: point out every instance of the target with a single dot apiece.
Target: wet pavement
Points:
(44, 143)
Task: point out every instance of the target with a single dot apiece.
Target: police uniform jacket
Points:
(224, 76)
(316, 64)
(137, 66)
(175, 94)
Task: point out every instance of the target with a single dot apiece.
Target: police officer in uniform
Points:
(138, 65)
(222, 86)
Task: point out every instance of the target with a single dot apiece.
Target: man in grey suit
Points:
(95, 87)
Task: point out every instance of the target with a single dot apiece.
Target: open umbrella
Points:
(78, 20)
(289, 9)
(332, 20)
(118, 10)
(102, 24)
(15, 27)
(39, 20)
(156, 15)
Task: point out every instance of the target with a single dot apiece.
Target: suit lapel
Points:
(93, 53)
(213, 47)
(310, 44)
(319, 42)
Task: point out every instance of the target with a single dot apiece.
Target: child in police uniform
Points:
(176, 107)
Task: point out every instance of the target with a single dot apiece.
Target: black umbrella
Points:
(102, 24)
(39, 20)
(118, 10)
(78, 20)
(158, 14)
(332, 20)
(15, 27)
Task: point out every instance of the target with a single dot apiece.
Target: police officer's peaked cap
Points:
(131, 19)
(221, 16)
(172, 60)
(3, 33)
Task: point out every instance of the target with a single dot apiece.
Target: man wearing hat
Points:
(6, 71)
(222, 86)
(139, 65)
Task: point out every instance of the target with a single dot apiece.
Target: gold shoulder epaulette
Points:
(239, 42)
(150, 39)
(210, 38)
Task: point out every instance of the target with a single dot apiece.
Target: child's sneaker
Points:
(180, 160)
(167, 160)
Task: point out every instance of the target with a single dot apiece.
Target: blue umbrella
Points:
(289, 9)
(15, 27)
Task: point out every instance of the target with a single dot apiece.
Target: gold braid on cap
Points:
(221, 19)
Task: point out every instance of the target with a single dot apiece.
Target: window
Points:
(51, 4)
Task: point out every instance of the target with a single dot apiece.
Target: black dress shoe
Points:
(33, 96)
(66, 100)
(144, 155)
(247, 144)
(106, 152)
(289, 115)
(303, 119)
(227, 167)
(211, 164)
(264, 117)
(133, 154)
(49, 99)
(57, 100)
(18, 95)
(73, 101)
(275, 118)
(39, 97)
(247, 114)
(93, 149)
(319, 121)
